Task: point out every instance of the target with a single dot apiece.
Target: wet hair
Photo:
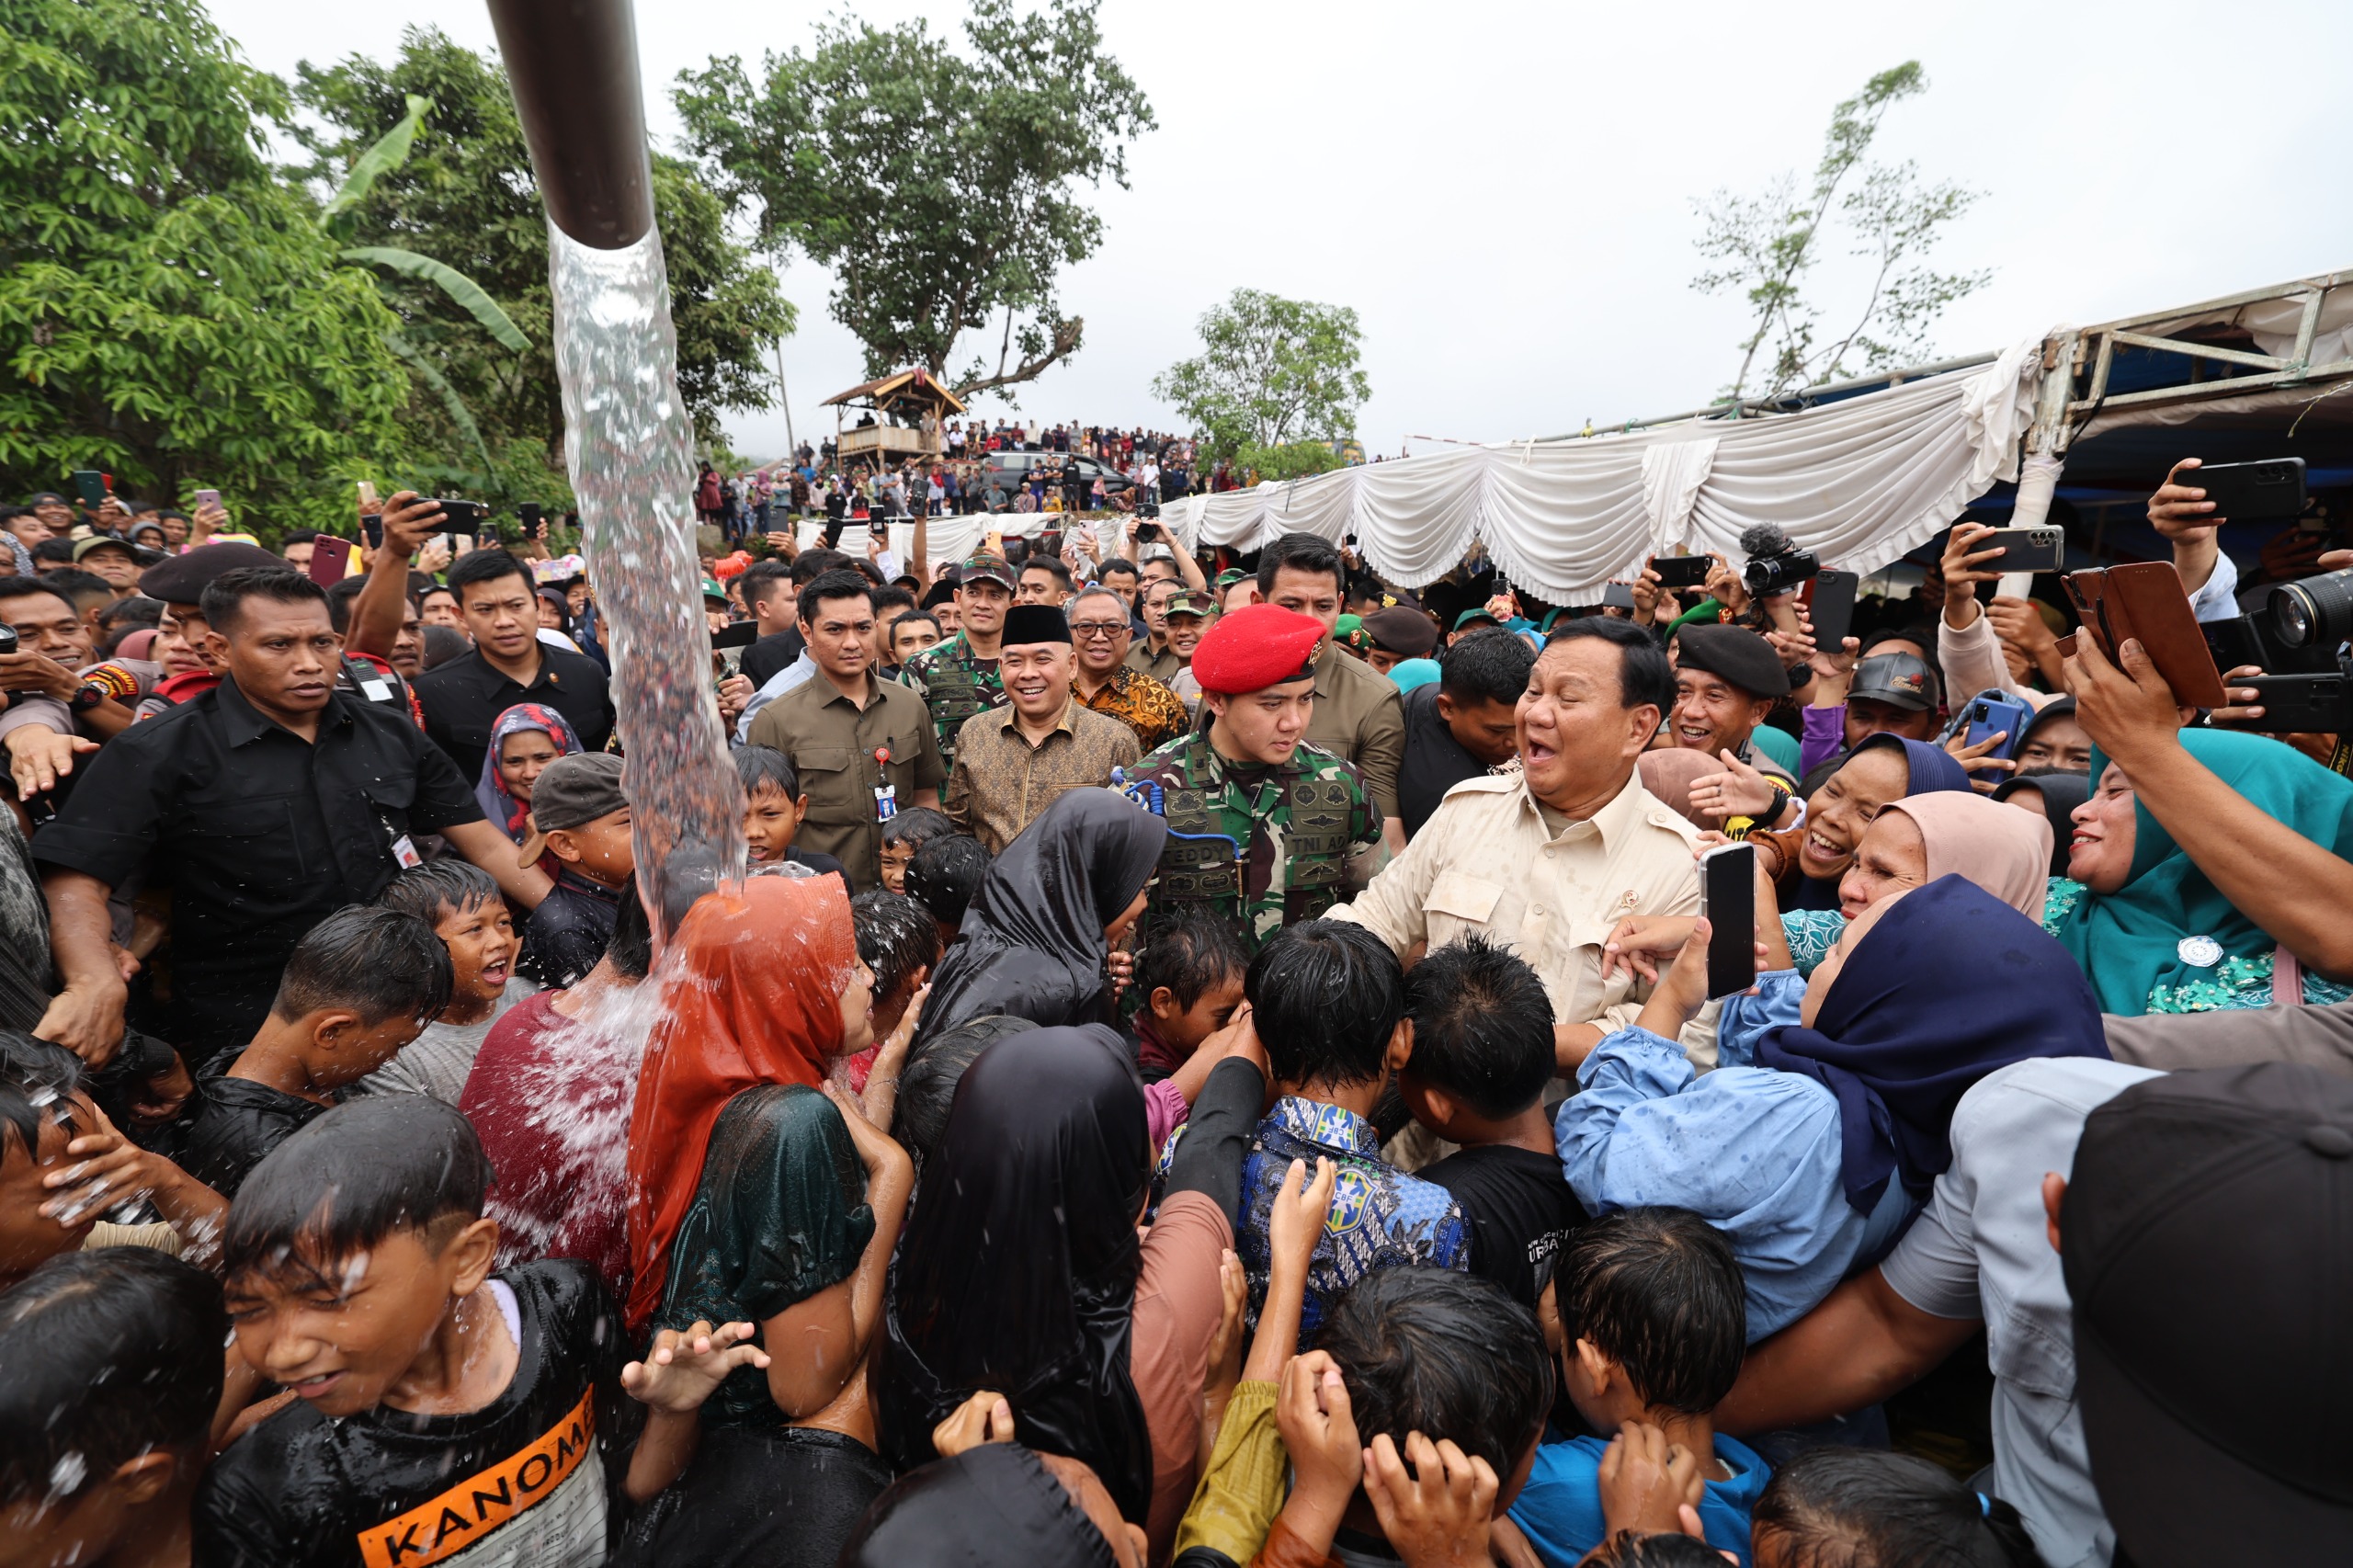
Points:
(928, 1082)
(1189, 952)
(111, 1354)
(1050, 567)
(1658, 1291)
(1645, 676)
(26, 588)
(765, 768)
(1300, 553)
(226, 596)
(1443, 1354)
(35, 1079)
(1483, 1025)
(1668, 1549)
(764, 577)
(916, 826)
(843, 584)
(1486, 669)
(1326, 996)
(945, 874)
(631, 946)
(443, 643)
(1842, 1508)
(345, 1181)
(485, 566)
(439, 887)
(379, 961)
(896, 936)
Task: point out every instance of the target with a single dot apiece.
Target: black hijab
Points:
(991, 1506)
(2061, 793)
(1017, 1270)
(1032, 939)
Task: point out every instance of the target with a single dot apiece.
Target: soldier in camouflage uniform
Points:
(1262, 826)
(959, 677)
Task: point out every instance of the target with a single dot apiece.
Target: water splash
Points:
(628, 446)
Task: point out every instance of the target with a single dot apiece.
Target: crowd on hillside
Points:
(1216, 1059)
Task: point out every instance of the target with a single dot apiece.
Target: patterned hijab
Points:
(498, 803)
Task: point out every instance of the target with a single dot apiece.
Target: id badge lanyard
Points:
(886, 794)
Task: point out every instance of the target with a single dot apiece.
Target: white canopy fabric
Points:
(1860, 482)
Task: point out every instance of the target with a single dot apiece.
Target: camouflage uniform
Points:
(954, 684)
(1298, 826)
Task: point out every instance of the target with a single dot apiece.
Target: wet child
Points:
(1656, 1323)
(1482, 1053)
(943, 876)
(440, 1409)
(1187, 985)
(466, 910)
(113, 1371)
(904, 834)
(581, 816)
(1869, 1508)
(361, 985)
(773, 809)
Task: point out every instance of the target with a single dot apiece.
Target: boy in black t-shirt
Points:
(773, 807)
(1482, 1053)
(444, 1415)
(363, 984)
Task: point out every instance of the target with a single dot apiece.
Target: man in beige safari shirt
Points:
(1548, 859)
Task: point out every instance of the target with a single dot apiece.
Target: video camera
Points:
(1776, 564)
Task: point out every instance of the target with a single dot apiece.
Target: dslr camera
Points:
(1776, 564)
(2303, 638)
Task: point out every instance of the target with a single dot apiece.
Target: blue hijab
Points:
(1951, 985)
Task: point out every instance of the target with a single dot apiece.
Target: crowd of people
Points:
(1215, 1060)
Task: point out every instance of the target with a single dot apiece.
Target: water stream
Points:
(629, 445)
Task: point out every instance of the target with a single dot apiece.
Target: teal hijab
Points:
(2130, 942)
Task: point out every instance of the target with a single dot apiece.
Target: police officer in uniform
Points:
(1262, 826)
(959, 679)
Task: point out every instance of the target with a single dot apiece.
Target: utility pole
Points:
(781, 391)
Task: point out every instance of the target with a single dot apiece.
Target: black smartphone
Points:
(531, 516)
(2025, 549)
(461, 517)
(91, 484)
(373, 528)
(1728, 903)
(1681, 571)
(2268, 490)
(1832, 608)
(2293, 705)
(1618, 595)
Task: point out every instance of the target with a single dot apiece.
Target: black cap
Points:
(1034, 623)
(1900, 680)
(2207, 1242)
(183, 579)
(1736, 653)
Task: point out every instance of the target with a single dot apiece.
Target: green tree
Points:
(1272, 373)
(940, 189)
(464, 195)
(170, 310)
(1767, 243)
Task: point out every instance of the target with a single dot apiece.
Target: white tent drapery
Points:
(1861, 482)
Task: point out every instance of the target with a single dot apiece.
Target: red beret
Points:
(1256, 647)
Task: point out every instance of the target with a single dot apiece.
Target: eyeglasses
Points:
(1097, 627)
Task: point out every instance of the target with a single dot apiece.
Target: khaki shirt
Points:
(1486, 862)
(832, 745)
(1161, 666)
(1000, 781)
(1361, 718)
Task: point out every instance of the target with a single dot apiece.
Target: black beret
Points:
(1402, 630)
(1738, 654)
(182, 579)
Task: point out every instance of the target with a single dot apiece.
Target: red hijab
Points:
(754, 997)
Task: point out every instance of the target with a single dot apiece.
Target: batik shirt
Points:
(954, 683)
(1141, 703)
(1381, 1217)
(1270, 844)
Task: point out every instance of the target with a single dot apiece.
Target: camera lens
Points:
(2316, 613)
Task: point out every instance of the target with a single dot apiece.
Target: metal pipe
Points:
(1762, 406)
(573, 66)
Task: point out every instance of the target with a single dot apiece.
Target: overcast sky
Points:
(1504, 192)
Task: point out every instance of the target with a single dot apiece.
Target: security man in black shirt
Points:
(265, 804)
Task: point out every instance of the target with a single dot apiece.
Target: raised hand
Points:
(684, 1366)
(1437, 1516)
